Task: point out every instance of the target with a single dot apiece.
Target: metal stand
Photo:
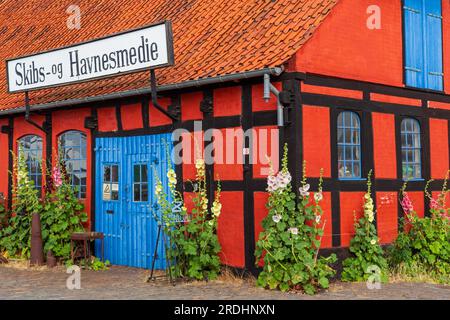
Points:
(155, 257)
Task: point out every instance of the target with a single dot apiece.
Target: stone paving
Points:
(129, 284)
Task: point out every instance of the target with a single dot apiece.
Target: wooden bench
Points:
(86, 238)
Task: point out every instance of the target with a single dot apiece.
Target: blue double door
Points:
(126, 170)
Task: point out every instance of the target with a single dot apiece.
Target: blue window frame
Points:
(411, 149)
(423, 44)
(140, 183)
(72, 146)
(349, 145)
(31, 148)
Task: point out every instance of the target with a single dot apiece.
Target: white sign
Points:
(106, 191)
(146, 48)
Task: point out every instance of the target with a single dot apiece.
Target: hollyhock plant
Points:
(425, 244)
(364, 246)
(57, 178)
(194, 244)
(407, 204)
(289, 244)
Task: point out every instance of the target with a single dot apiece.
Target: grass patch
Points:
(415, 272)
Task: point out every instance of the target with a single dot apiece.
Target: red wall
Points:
(344, 47)
(316, 140)
(131, 116)
(384, 146)
(190, 106)
(107, 120)
(439, 152)
(231, 229)
(227, 102)
(387, 216)
(66, 120)
(327, 219)
(231, 147)
(4, 155)
(351, 206)
(417, 198)
(258, 103)
(262, 150)
(156, 117)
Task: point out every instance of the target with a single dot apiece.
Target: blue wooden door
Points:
(125, 199)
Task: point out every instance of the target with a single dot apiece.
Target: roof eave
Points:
(276, 71)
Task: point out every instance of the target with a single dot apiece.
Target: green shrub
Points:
(292, 236)
(16, 237)
(62, 214)
(367, 254)
(425, 242)
(4, 215)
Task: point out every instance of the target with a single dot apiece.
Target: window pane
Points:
(404, 159)
(340, 153)
(137, 173)
(355, 136)
(356, 169)
(144, 195)
(115, 173)
(144, 173)
(136, 193)
(340, 136)
(348, 136)
(347, 119)
(348, 153)
(417, 156)
(356, 153)
(417, 171)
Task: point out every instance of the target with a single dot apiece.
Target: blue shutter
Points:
(423, 44)
(414, 54)
(433, 41)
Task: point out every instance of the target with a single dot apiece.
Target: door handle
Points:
(110, 211)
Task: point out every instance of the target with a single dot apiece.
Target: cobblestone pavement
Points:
(128, 283)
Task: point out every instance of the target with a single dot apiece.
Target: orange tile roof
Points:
(211, 37)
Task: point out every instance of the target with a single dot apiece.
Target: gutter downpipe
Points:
(268, 89)
(145, 91)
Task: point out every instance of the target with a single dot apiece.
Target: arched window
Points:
(411, 149)
(73, 152)
(30, 147)
(349, 145)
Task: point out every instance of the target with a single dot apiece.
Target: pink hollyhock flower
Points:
(407, 204)
(434, 205)
(57, 179)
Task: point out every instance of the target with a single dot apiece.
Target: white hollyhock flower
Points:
(318, 196)
(373, 242)
(277, 218)
(318, 218)
(294, 231)
(304, 191)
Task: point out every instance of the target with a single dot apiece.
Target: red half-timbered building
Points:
(364, 85)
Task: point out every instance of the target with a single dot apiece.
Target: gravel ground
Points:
(119, 283)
